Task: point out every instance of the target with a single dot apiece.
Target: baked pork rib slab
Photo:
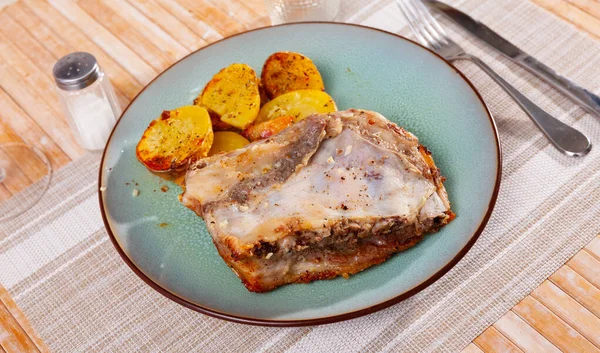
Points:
(331, 195)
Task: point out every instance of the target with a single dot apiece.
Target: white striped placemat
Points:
(61, 269)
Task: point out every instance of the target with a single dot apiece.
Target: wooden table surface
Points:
(562, 314)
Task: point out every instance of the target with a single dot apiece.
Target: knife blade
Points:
(582, 97)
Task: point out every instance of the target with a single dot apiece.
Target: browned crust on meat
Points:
(365, 257)
(350, 248)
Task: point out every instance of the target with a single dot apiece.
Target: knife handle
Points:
(586, 99)
(567, 139)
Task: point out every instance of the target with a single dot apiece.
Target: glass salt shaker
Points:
(87, 98)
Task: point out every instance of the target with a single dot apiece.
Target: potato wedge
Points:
(226, 141)
(267, 128)
(298, 104)
(233, 95)
(288, 71)
(175, 139)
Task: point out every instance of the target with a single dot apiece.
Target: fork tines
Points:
(427, 30)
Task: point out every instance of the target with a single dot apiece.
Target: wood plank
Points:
(170, 24)
(31, 75)
(523, 335)
(7, 134)
(261, 18)
(26, 43)
(141, 70)
(148, 29)
(8, 137)
(16, 180)
(237, 11)
(5, 194)
(56, 128)
(573, 14)
(471, 348)
(17, 314)
(121, 79)
(29, 60)
(262, 21)
(38, 29)
(258, 6)
(594, 247)
(33, 171)
(15, 338)
(569, 310)
(11, 114)
(54, 44)
(193, 22)
(492, 341)
(591, 7)
(32, 168)
(120, 28)
(552, 327)
(587, 266)
(221, 22)
(578, 288)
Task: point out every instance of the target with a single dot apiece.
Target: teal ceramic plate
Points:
(168, 246)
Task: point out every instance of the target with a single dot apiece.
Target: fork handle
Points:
(567, 139)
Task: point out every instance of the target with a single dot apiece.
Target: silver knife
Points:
(584, 98)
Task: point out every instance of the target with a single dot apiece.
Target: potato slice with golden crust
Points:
(226, 141)
(217, 124)
(298, 104)
(233, 95)
(288, 71)
(267, 128)
(175, 139)
(263, 95)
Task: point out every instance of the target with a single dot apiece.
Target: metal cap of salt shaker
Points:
(75, 71)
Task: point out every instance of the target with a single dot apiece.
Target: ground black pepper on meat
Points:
(263, 248)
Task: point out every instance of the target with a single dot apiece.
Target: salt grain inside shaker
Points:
(88, 99)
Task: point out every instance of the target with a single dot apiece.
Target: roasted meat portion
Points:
(331, 195)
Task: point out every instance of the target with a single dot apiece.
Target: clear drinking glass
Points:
(25, 173)
(282, 11)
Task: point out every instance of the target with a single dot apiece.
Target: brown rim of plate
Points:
(329, 319)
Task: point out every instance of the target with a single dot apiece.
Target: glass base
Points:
(25, 174)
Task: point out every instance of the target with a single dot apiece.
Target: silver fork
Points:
(430, 34)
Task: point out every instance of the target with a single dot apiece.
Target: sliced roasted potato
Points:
(267, 128)
(298, 104)
(288, 71)
(263, 95)
(226, 141)
(217, 124)
(175, 139)
(233, 95)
